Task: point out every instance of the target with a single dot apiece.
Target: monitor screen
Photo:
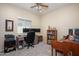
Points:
(35, 29)
(25, 30)
(31, 29)
(76, 32)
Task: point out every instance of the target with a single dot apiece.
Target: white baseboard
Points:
(1, 50)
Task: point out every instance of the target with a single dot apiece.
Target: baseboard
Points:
(1, 50)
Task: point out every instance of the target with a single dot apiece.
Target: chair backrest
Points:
(30, 36)
(9, 40)
(9, 37)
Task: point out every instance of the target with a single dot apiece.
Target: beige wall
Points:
(13, 13)
(63, 19)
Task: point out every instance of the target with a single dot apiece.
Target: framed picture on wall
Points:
(9, 25)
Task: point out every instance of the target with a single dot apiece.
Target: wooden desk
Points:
(20, 42)
(38, 39)
(66, 47)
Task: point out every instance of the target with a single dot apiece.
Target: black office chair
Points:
(30, 39)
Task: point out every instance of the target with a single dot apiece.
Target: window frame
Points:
(23, 19)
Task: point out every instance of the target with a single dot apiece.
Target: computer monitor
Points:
(25, 30)
(76, 36)
(76, 32)
(31, 29)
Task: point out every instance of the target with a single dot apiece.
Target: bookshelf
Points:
(51, 35)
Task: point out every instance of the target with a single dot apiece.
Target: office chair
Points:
(30, 39)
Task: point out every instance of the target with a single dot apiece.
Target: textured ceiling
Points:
(51, 7)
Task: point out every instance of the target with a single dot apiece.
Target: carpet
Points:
(40, 49)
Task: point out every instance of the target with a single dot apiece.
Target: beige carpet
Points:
(40, 49)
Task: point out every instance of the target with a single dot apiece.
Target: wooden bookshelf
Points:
(51, 35)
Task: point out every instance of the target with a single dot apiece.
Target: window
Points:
(23, 23)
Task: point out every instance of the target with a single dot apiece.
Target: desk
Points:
(66, 47)
(38, 38)
(20, 41)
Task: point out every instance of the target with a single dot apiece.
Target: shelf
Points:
(51, 35)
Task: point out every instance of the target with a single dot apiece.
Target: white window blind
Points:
(23, 23)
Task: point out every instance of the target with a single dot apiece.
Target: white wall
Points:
(63, 19)
(13, 13)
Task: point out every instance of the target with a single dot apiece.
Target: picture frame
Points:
(9, 25)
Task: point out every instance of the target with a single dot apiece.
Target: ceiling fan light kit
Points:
(40, 7)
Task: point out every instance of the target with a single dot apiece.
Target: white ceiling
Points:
(51, 7)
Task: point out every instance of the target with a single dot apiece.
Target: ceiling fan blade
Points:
(38, 5)
(33, 6)
(43, 5)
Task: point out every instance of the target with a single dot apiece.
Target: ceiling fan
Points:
(39, 6)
